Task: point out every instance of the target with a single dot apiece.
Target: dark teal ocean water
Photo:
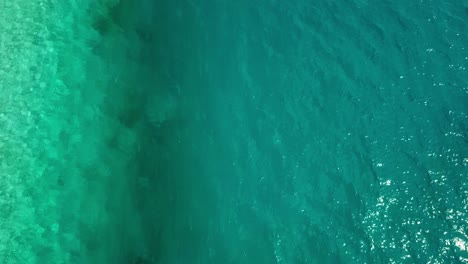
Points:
(249, 131)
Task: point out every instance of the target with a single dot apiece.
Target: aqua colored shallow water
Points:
(171, 131)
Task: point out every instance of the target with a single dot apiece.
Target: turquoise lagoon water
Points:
(261, 131)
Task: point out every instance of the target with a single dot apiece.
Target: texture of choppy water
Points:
(158, 131)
